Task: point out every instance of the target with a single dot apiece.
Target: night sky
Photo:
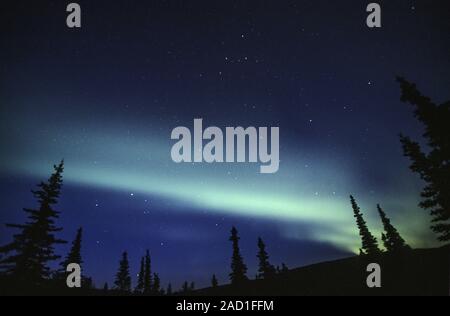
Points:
(107, 96)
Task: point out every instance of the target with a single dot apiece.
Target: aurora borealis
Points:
(106, 98)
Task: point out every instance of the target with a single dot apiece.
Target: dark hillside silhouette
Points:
(418, 272)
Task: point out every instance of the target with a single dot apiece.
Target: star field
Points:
(106, 97)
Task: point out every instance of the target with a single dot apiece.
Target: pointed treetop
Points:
(369, 242)
(391, 238)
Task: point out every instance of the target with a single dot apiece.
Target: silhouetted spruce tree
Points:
(433, 165)
(369, 242)
(265, 270)
(106, 287)
(185, 287)
(214, 281)
(169, 289)
(140, 283)
(284, 268)
(123, 278)
(392, 240)
(281, 270)
(74, 255)
(148, 283)
(27, 256)
(156, 284)
(192, 286)
(238, 267)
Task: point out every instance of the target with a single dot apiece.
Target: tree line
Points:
(392, 241)
(148, 284)
(25, 260)
(33, 248)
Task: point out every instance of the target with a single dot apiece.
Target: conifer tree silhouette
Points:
(369, 242)
(140, 283)
(123, 278)
(433, 166)
(392, 240)
(192, 286)
(156, 284)
(238, 267)
(169, 289)
(214, 281)
(148, 282)
(284, 268)
(27, 256)
(74, 255)
(185, 287)
(265, 270)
